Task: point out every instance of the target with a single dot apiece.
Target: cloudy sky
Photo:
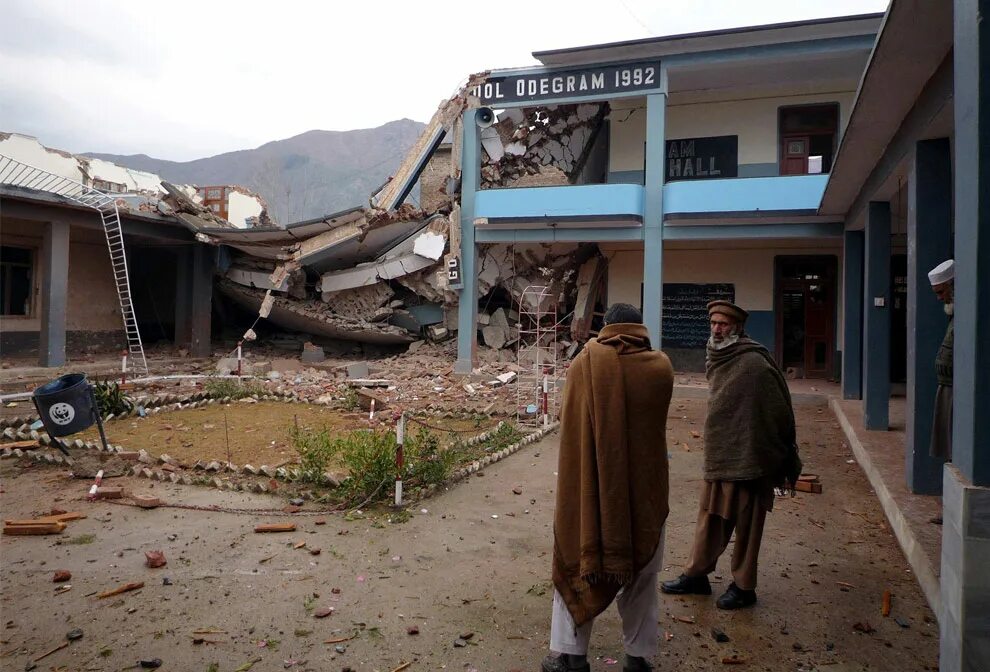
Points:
(188, 79)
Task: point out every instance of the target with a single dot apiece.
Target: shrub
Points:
(111, 399)
(426, 462)
(367, 456)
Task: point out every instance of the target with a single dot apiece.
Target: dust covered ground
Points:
(452, 570)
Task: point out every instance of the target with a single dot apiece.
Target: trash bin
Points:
(66, 405)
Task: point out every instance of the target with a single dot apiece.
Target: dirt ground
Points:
(257, 433)
(473, 560)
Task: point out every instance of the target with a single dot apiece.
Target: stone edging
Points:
(168, 473)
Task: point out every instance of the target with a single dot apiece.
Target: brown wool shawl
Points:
(749, 429)
(612, 483)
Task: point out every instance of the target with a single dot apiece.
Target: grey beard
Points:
(948, 308)
(726, 342)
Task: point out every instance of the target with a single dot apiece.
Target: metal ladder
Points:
(18, 174)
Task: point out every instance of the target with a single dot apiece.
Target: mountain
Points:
(303, 177)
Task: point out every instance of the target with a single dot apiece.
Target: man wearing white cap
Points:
(942, 277)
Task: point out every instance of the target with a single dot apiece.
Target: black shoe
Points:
(565, 662)
(736, 598)
(687, 585)
(636, 664)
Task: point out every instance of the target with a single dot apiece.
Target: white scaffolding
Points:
(537, 398)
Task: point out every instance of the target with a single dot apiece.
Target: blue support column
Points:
(964, 641)
(971, 383)
(929, 235)
(876, 318)
(467, 303)
(852, 312)
(656, 112)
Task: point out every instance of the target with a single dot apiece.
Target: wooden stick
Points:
(402, 667)
(48, 653)
(885, 608)
(209, 631)
(121, 589)
(338, 640)
(20, 444)
(275, 527)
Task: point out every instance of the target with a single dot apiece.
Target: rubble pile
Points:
(553, 141)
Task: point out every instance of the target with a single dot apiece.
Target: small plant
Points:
(111, 399)
(427, 463)
(82, 539)
(350, 401)
(309, 603)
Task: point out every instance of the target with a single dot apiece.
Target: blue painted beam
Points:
(876, 319)
(971, 382)
(753, 231)
(467, 303)
(576, 201)
(852, 335)
(558, 234)
(741, 194)
(653, 229)
(929, 231)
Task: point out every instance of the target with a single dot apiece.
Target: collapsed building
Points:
(387, 273)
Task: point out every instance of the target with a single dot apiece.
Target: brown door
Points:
(806, 315)
(794, 153)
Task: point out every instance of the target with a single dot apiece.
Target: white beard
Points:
(724, 343)
(948, 308)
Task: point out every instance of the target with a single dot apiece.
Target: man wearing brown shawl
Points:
(612, 488)
(749, 449)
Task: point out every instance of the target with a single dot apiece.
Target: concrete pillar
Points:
(183, 295)
(852, 333)
(54, 294)
(467, 303)
(929, 235)
(201, 312)
(876, 318)
(656, 112)
(965, 618)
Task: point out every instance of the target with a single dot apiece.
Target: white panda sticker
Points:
(61, 413)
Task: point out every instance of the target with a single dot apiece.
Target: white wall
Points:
(754, 121)
(27, 149)
(750, 269)
(240, 207)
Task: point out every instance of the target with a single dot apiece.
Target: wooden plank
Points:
(275, 527)
(808, 486)
(30, 443)
(42, 528)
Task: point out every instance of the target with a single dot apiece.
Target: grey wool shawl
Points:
(749, 430)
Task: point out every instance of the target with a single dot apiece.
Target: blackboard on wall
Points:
(685, 317)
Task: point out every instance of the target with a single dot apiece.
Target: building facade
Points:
(813, 173)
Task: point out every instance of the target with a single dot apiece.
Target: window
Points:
(16, 266)
(808, 135)
(213, 194)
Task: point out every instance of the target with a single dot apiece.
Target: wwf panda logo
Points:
(61, 413)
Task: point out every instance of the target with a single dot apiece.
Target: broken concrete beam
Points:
(358, 370)
(369, 382)
(365, 397)
(438, 333)
(312, 354)
(506, 378)
(495, 337)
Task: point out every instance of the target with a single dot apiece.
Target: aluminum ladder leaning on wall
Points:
(18, 174)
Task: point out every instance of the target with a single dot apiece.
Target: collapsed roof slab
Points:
(414, 253)
(293, 316)
(353, 243)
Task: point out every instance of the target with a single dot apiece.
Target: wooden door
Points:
(794, 155)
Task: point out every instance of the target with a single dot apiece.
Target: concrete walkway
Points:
(881, 455)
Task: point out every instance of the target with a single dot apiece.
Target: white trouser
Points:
(639, 609)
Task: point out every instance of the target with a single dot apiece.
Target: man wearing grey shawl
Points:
(750, 449)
